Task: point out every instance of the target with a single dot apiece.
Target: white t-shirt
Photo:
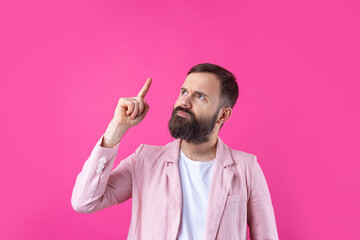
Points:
(195, 182)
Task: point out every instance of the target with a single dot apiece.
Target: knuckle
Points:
(131, 106)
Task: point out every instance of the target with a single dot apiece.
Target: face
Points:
(196, 111)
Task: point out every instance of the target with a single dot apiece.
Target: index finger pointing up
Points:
(145, 88)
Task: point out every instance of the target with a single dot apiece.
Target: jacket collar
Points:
(172, 152)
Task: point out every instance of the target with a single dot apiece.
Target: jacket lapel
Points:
(219, 188)
(174, 189)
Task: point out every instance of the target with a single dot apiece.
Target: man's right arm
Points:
(92, 191)
(96, 186)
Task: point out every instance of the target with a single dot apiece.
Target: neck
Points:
(200, 152)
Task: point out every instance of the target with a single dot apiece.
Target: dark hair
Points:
(229, 86)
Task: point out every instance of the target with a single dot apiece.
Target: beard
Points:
(189, 128)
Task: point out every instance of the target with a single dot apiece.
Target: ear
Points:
(225, 115)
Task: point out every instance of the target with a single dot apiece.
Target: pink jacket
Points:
(238, 194)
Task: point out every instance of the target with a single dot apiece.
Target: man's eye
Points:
(201, 97)
(183, 92)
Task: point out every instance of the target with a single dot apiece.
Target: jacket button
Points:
(101, 166)
(98, 171)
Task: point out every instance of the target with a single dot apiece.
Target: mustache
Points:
(184, 110)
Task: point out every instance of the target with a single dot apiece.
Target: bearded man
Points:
(194, 187)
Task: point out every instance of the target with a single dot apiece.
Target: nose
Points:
(185, 101)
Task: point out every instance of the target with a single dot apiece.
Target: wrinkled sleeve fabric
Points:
(97, 186)
(261, 216)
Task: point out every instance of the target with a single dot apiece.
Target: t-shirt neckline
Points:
(193, 161)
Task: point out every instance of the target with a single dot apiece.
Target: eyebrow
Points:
(197, 92)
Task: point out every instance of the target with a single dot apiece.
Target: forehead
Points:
(204, 82)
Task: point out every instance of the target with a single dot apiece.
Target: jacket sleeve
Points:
(97, 186)
(261, 217)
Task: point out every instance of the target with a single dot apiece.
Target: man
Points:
(195, 187)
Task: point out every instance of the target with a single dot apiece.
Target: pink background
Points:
(65, 64)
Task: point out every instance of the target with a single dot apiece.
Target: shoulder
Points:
(239, 156)
(152, 152)
(150, 158)
(152, 149)
(243, 161)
